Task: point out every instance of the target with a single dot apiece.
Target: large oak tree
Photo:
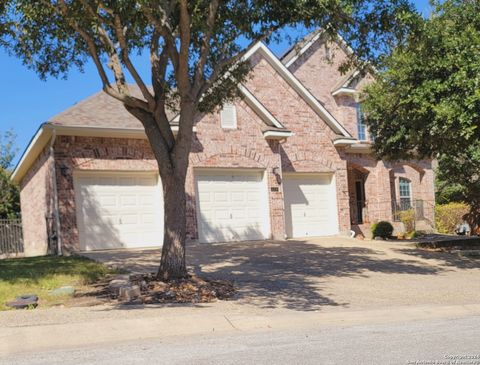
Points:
(195, 51)
(426, 102)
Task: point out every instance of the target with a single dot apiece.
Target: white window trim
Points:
(409, 189)
(234, 117)
(361, 122)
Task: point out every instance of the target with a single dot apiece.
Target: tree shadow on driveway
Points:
(283, 274)
(293, 274)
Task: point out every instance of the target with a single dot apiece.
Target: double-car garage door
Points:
(117, 210)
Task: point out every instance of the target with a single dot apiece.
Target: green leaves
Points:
(429, 89)
(7, 149)
(9, 196)
(51, 36)
(426, 102)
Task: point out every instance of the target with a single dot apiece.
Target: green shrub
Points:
(382, 229)
(407, 217)
(412, 235)
(447, 216)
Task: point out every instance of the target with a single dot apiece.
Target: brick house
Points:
(291, 159)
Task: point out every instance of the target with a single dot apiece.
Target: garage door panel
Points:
(231, 205)
(310, 205)
(119, 210)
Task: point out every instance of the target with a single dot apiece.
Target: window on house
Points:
(361, 126)
(228, 116)
(405, 193)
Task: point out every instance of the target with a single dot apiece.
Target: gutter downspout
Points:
(55, 194)
(280, 142)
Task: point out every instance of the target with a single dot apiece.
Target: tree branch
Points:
(159, 65)
(128, 63)
(164, 27)
(219, 69)
(122, 95)
(182, 72)
(205, 49)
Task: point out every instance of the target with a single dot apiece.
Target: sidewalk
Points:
(195, 321)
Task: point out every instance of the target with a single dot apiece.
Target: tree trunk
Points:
(172, 160)
(172, 264)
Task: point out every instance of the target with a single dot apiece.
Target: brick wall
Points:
(90, 153)
(36, 200)
(381, 184)
(244, 147)
(318, 70)
(310, 149)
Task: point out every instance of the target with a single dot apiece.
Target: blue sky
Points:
(26, 101)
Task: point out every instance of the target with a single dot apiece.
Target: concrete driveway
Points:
(334, 272)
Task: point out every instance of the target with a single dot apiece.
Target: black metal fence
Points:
(11, 237)
(368, 212)
(416, 206)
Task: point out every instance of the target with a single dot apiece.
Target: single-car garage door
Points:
(116, 210)
(310, 205)
(231, 205)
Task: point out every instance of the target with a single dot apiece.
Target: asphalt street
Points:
(445, 341)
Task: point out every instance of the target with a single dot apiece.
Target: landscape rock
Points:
(129, 293)
(64, 290)
(117, 284)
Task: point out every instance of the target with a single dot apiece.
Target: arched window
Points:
(404, 187)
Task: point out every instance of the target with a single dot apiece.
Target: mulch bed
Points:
(190, 290)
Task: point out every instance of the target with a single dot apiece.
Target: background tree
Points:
(195, 51)
(426, 101)
(9, 195)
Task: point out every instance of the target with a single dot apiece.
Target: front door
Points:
(360, 194)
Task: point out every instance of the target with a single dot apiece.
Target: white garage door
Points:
(310, 205)
(116, 210)
(231, 205)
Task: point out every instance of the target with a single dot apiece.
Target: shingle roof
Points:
(100, 110)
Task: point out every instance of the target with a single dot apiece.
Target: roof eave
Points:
(360, 147)
(344, 91)
(44, 133)
(34, 148)
(277, 134)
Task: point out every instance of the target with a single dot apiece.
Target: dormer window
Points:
(228, 117)
(361, 126)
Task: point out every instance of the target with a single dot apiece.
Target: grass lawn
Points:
(39, 275)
